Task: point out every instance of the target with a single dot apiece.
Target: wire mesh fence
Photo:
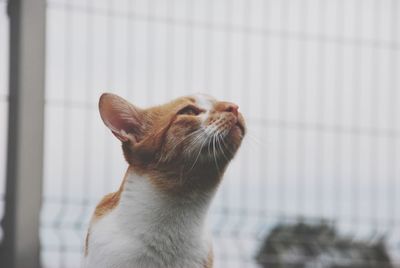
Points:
(316, 80)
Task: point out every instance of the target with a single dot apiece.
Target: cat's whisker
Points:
(194, 134)
(208, 149)
(227, 147)
(190, 148)
(219, 139)
(215, 157)
(212, 132)
(200, 136)
(198, 155)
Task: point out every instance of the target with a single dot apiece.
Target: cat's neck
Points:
(144, 203)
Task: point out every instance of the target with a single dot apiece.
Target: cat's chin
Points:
(239, 125)
(236, 133)
(235, 136)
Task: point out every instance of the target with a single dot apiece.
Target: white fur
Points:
(149, 229)
(205, 102)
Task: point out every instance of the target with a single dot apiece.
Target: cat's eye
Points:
(190, 110)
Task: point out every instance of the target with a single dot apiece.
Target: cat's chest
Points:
(145, 246)
(146, 230)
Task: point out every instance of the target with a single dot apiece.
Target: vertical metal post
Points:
(21, 245)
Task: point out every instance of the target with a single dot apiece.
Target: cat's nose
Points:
(231, 108)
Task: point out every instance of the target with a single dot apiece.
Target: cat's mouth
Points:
(217, 140)
(232, 137)
(231, 126)
(238, 129)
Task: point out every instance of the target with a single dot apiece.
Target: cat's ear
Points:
(121, 117)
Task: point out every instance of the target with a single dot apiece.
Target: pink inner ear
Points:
(119, 116)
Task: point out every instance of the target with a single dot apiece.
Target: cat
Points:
(177, 154)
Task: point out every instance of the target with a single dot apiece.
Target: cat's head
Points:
(188, 136)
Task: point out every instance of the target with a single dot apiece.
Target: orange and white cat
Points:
(177, 154)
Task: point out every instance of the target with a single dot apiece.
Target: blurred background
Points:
(316, 182)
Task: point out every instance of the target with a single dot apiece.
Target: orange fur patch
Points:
(106, 205)
(109, 202)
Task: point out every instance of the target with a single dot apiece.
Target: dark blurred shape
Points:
(304, 245)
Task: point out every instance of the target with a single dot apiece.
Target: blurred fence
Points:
(3, 100)
(316, 80)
